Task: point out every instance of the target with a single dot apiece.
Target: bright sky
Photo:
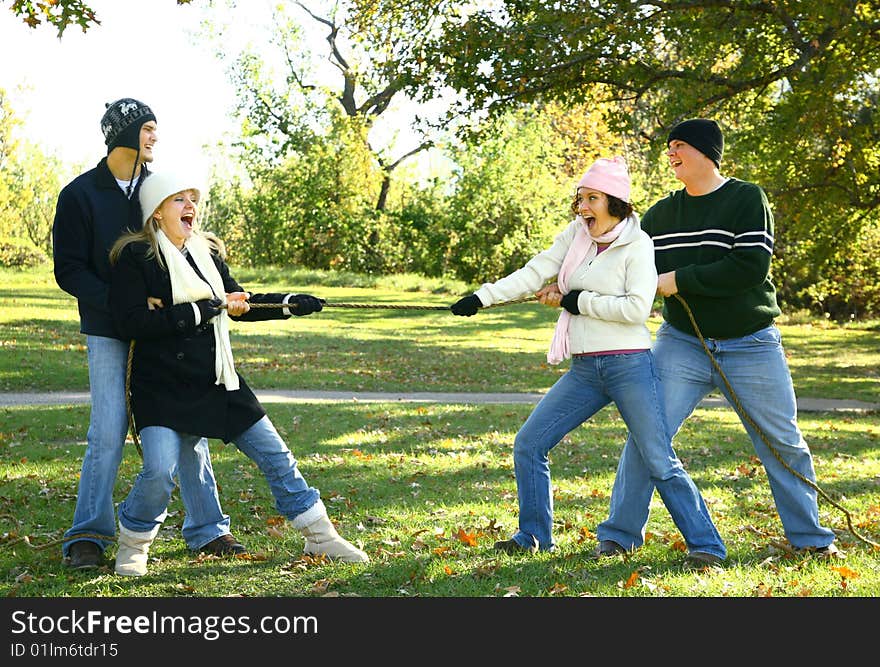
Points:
(145, 49)
(142, 49)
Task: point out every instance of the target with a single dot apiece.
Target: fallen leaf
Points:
(763, 591)
(585, 534)
(470, 539)
(321, 586)
(846, 573)
(679, 545)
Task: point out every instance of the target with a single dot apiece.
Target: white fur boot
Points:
(322, 538)
(134, 547)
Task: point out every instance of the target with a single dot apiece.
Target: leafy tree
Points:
(29, 185)
(515, 187)
(794, 83)
(8, 148)
(59, 13)
(364, 88)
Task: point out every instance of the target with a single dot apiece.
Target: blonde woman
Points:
(168, 283)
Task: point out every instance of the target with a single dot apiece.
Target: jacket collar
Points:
(630, 231)
(106, 179)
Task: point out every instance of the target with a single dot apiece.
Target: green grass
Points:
(500, 349)
(427, 488)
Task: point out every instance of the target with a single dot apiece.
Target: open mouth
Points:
(675, 163)
(187, 219)
(590, 221)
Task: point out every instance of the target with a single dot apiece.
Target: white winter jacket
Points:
(619, 286)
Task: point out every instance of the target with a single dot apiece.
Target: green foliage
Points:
(510, 199)
(20, 253)
(849, 283)
(59, 13)
(794, 84)
(29, 184)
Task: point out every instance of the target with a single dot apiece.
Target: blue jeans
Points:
(631, 382)
(756, 368)
(167, 452)
(108, 425)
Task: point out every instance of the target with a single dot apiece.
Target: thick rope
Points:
(745, 416)
(131, 424)
(385, 306)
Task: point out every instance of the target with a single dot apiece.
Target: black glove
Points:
(304, 304)
(467, 306)
(570, 301)
(208, 308)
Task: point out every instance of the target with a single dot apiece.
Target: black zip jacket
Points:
(91, 213)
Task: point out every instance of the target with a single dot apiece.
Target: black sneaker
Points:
(702, 559)
(608, 548)
(511, 546)
(84, 555)
(225, 545)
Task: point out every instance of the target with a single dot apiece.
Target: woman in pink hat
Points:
(605, 281)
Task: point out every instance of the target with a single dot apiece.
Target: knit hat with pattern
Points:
(122, 122)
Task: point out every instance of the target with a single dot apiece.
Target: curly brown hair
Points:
(617, 208)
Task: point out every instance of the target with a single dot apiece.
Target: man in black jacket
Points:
(92, 211)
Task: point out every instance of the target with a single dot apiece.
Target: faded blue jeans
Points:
(631, 382)
(167, 452)
(756, 368)
(108, 425)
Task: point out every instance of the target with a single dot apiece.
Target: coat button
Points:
(179, 356)
(181, 324)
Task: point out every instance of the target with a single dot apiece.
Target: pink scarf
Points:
(582, 249)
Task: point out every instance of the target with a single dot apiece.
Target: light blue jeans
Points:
(108, 425)
(167, 452)
(756, 368)
(632, 383)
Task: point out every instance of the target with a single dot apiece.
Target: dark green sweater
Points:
(720, 246)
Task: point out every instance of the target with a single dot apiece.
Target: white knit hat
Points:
(158, 186)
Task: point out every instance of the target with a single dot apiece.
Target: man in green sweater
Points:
(713, 243)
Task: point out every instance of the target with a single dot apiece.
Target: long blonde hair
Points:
(148, 234)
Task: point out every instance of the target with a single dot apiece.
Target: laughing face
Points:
(686, 160)
(148, 138)
(177, 215)
(592, 206)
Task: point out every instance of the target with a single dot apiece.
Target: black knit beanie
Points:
(703, 134)
(122, 122)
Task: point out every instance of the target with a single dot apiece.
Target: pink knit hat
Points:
(608, 175)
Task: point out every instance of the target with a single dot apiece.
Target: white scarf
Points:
(188, 287)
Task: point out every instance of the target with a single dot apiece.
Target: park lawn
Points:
(426, 489)
(355, 349)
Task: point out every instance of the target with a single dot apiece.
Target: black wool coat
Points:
(172, 373)
(91, 213)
